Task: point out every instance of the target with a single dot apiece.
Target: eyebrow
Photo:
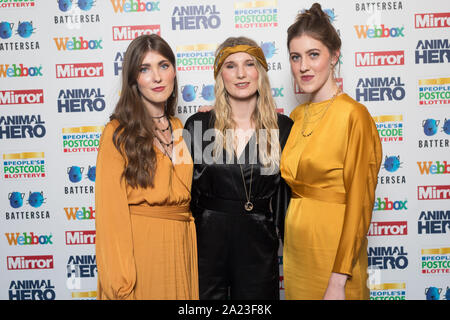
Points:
(245, 61)
(159, 63)
(310, 50)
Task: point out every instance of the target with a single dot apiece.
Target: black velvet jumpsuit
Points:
(237, 249)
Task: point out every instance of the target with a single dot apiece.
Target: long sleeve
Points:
(114, 241)
(280, 203)
(361, 165)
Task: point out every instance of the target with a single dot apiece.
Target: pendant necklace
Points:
(248, 206)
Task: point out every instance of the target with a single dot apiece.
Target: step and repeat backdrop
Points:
(60, 69)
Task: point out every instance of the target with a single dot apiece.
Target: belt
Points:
(234, 206)
(178, 213)
(301, 190)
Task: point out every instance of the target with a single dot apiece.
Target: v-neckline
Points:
(243, 152)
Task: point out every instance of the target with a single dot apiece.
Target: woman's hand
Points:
(336, 287)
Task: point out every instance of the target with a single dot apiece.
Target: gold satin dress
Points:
(333, 175)
(145, 238)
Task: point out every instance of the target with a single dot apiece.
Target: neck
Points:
(326, 92)
(242, 111)
(154, 110)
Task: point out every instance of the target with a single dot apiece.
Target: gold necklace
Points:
(306, 115)
(248, 206)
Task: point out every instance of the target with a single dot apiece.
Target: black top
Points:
(223, 181)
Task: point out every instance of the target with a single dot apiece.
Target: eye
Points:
(314, 54)
(165, 66)
(229, 66)
(143, 69)
(295, 57)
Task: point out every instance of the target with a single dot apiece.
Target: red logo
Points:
(32, 96)
(132, 32)
(80, 237)
(432, 20)
(391, 228)
(79, 70)
(29, 262)
(379, 58)
(433, 192)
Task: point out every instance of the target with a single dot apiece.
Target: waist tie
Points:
(300, 190)
(261, 206)
(178, 213)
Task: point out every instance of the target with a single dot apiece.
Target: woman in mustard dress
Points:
(146, 242)
(330, 161)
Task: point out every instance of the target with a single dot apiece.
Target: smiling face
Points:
(156, 79)
(240, 76)
(312, 67)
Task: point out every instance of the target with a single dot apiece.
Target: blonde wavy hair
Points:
(264, 116)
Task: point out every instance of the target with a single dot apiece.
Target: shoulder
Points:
(284, 122)
(110, 127)
(352, 108)
(297, 111)
(204, 117)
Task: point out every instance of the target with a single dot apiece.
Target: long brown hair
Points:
(134, 135)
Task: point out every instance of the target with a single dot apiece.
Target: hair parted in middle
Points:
(264, 116)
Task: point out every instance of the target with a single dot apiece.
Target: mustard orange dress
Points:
(333, 175)
(146, 242)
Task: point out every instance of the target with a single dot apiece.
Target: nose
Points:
(156, 76)
(304, 65)
(241, 72)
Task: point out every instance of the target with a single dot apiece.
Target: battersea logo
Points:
(128, 33)
(23, 165)
(435, 261)
(379, 58)
(432, 51)
(77, 43)
(270, 50)
(388, 291)
(29, 262)
(34, 199)
(391, 164)
(31, 290)
(434, 222)
(432, 20)
(81, 139)
(79, 70)
(434, 91)
(441, 192)
(431, 127)
(385, 258)
(19, 71)
(189, 92)
(75, 175)
(29, 96)
(391, 228)
(81, 100)
(255, 14)
(381, 31)
(76, 13)
(433, 167)
(80, 237)
(434, 293)
(195, 17)
(378, 6)
(385, 204)
(28, 238)
(380, 89)
(390, 127)
(197, 57)
(80, 213)
(22, 127)
(24, 30)
(128, 6)
(82, 266)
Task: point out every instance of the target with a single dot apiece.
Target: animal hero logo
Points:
(195, 17)
(81, 100)
(31, 290)
(25, 165)
(435, 261)
(256, 14)
(434, 222)
(432, 51)
(434, 91)
(196, 57)
(24, 29)
(432, 20)
(380, 89)
(81, 139)
(390, 127)
(385, 258)
(388, 291)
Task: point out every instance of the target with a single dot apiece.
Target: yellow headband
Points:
(225, 52)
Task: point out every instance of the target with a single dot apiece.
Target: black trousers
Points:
(238, 256)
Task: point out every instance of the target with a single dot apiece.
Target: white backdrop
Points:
(60, 65)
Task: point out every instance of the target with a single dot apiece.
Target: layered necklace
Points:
(317, 116)
(166, 146)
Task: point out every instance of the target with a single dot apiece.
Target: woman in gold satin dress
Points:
(330, 161)
(146, 243)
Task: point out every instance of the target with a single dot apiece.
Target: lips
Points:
(158, 89)
(306, 78)
(242, 85)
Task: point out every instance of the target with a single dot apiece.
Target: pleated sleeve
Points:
(114, 241)
(361, 165)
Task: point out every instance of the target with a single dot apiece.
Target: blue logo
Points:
(431, 126)
(66, 5)
(25, 29)
(433, 293)
(75, 173)
(269, 49)
(189, 92)
(208, 93)
(16, 199)
(446, 127)
(35, 199)
(392, 163)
